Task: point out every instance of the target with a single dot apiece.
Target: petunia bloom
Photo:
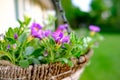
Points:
(40, 34)
(59, 37)
(62, 27)
(94, 28)
(37, 32)
(35, 29)
(65, 39)
(47, 33)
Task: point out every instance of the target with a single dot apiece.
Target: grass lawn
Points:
(105, 63)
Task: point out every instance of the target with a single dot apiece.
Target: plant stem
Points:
(48, 45)
(21, 51)
(9, 56)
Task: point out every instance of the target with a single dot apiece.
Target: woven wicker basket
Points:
(55, 71)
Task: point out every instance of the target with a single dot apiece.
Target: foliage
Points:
(104, 13)
(24, 45)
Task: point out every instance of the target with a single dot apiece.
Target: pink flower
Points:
(47, 33)
(94, 28)
(62, 27)
(59, 37)
(36, 30)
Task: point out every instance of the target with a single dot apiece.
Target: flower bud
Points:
(15, 36)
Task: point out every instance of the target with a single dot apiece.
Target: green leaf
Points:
(29, 50)
(24, 63)
(37, 52)
(27, 20)
(20, 22)
(77, 54)
(10, 32)
(73, 37)
(22, 38)
(65, 60)
(67, 45)
(1, 55)
(35, 61)
(40, 57)
(6, 54)
(70, 63)
(16, 29)
(51, 41)
(11, 40)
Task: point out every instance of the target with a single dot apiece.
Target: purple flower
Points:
(37, 32)
(47, 33)
(94, 28)
(8, 47)
(59, 37)
(40, 34)
(15, 36)
(35, 29)
(65, 39)
(62, 27)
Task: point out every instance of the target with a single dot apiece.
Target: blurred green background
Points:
(104, 64)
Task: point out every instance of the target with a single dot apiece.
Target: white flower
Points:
(85, 42)
(14, 46)
(1, 37)
(88, 39)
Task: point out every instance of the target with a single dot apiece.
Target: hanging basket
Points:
(54, 71)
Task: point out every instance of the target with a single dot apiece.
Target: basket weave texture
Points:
(55, 71)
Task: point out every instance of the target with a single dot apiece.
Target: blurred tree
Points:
(114, 19)
(104, 13)
(98, 8)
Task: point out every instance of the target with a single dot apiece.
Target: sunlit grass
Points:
(105, 63)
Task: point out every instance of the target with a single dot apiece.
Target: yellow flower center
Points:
(36, 28)
(92, 33)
